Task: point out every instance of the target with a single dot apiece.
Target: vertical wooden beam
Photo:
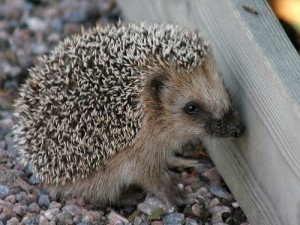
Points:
(262, 71)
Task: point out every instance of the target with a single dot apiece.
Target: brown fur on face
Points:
(166, 128)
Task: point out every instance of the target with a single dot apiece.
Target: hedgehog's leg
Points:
(163, 187)
(131, 196)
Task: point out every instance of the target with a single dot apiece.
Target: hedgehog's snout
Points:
(228, 126)
(238, 130)
(220, 128)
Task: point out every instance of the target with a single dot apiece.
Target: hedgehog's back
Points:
(77, 109)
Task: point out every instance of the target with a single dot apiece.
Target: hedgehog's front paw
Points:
(176, 162)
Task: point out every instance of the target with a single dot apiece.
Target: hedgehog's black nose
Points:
(238, 131)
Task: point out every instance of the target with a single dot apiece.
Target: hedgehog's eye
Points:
(192, 107)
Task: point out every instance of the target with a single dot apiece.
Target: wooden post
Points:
(262, 71)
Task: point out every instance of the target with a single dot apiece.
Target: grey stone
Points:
(10, 144)
(34, 208)
(13, 71)
(33, 180)
(3, 131)
(13, 221)
(3, 155)
(50, 214)
(57, 24)
(65, 217)
(2, 145)
(28, 170)
(20, 210)
(191, 222)
(4, 191)
(22, 198)
(137, 220)
(36, 24)
(39, 48)
(7, 214)
(150, 204)
(219, 191)
(72, 209)
(75, 16)
(174, 219)
(95, 215)
(54, 205)
(77, 219)
(44, 201)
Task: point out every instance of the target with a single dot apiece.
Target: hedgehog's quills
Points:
(108, 109)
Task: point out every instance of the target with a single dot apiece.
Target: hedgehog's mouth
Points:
(219, 128)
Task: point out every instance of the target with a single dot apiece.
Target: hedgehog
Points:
(109, 109)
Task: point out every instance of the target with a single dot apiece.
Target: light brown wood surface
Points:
(262, 71)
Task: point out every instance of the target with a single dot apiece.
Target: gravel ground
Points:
(32, 28)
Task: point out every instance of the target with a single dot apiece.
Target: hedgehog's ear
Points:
(158, 85)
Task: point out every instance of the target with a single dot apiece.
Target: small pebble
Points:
(95, 215)
(174, 219)
(13, 221)
(10, 144)
(11, 198)
(51, 214)
(196, 209)
(39, 48)
(114, 218)
(33, 180)
(235, 204)
(34, 207)
(212, 175)
(44, 201)
(35, 24)
(157, 223)
(2, 145)
(65, 217)
(57, 24)
(4, 191)
(43, 221)
(28, 170)
(77, 219)
(3, 154)
(87, 218)
(84, 223)
(20, 210)
(219, 191)
(72, 209)
(213, 202)
(204, 193)
(150, 204)
(54, 37)
(137, 220)
(75, 16)
(54, 205)
(189, 221)
(217, 212)
(8, 212)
